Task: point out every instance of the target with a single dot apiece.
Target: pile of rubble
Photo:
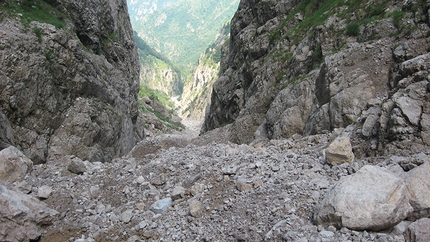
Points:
(280, 190)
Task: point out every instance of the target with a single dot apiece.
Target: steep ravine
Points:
(337, 131)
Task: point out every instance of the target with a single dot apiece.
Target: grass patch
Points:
(168, 122)
(352, 29)
(34, 10)
(397, 18)
(49, 55)
(39, 33)
(316, 12)
(156, 94)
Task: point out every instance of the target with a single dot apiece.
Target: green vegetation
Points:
(156, 94)
(316, 12)
(49, 55)
(168, 122)
(397, 18)
(39, 33)
(33, 10)
(352, 29)
(183, 29)
(147, 50)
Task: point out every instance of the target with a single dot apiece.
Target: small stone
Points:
(158, 180)
(44, 192)
(77, 166)
(315, 195)
(230, 170)
(140, 206)
(257, 183)
(401, 228)
(197, 188)
(143, 224)
(195, 208)
(178, 193)
(331, 228)
(100, 209)
(133, 238)
(242, 185)
(140, 180)
(275, 168)
(126, 216)
(161, 206)
(326, 234)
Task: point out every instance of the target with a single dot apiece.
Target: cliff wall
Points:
(300, 67)
(68, 81)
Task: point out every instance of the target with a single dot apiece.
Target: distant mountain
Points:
(180, 29)
(138, 9)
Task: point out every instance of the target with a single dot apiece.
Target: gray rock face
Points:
(14, 165)
(21, 216)
(371, 199)
(71, 90)
(280, 85)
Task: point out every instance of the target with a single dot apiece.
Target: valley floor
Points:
(210, 192)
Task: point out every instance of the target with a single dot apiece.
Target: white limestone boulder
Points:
(371, 199)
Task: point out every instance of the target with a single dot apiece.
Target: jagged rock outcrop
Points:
(70, 88)
(290, 69)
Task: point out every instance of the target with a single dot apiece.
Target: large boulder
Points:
(372, 199)
(14, 165)
(418, 184)
(22, 216)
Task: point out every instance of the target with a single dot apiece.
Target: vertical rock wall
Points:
(300, 68)
(71, 89)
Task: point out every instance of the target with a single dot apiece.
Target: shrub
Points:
(352, 29)
(39, 33)
(397, 18)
